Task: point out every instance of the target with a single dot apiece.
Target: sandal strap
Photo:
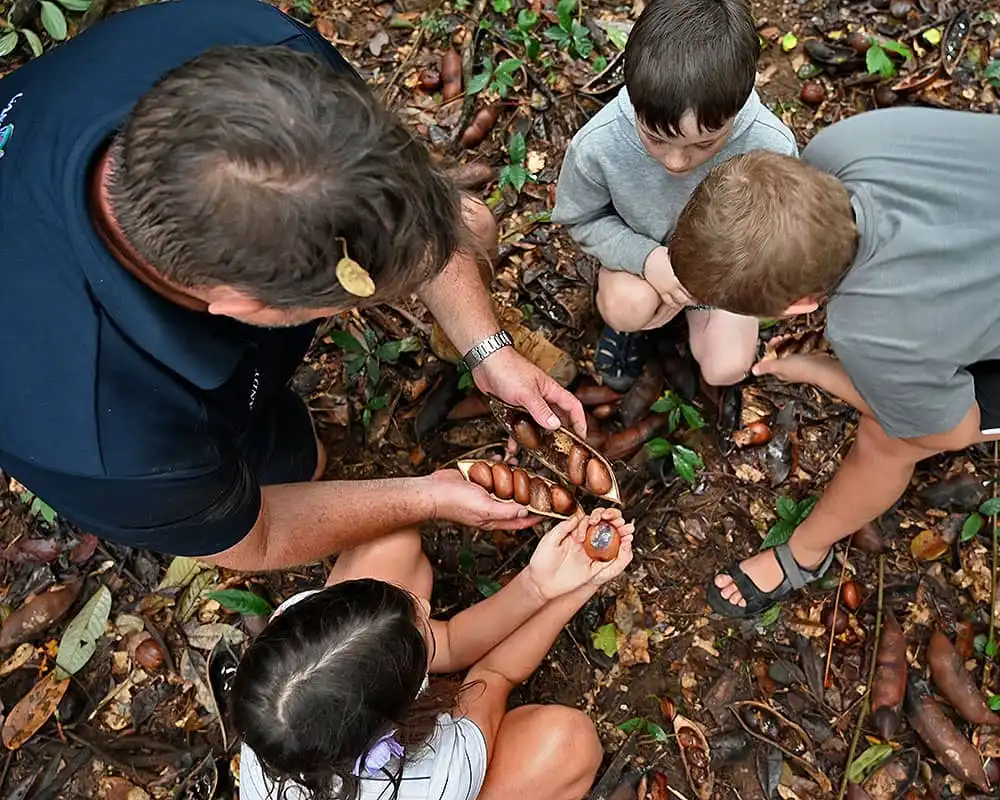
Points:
(797, 575)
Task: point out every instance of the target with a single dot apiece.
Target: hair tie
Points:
(378, 755)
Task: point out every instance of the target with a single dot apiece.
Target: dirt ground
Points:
(129, 724)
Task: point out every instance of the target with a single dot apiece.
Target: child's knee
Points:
(571, 741)
(724, 369)
(626, 302)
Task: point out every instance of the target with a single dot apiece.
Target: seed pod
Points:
(594, 395)
(602, 542)
(526, 434)
(955, 684)
(598, 477)
(451, 76)
(539, 496)
(481, 473)
(695, 755)
(637, 400)
(753, 435)
(764, 723)
(560, 450)
(889, 683)
(856, 792)
(577, 465)
(522, 487)
(480, 126)
(429, 80)
(895, 776)
(562, 501)
(603, 412)
(626, 443)
(503, 482)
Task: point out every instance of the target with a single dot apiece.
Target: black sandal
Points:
(758, 601)
(620, 357)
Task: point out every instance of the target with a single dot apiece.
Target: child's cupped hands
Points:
(561, 565)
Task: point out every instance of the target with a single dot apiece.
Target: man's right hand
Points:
(659, 273)
(457, 500)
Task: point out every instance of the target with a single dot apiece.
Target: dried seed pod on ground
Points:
(696, 756)
(889, 682)
(955, 684)
(765, 723)
(572, 459)
(894, 777)
(542, 496)
(636, 403)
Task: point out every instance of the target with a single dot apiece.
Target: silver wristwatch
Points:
(487, 347)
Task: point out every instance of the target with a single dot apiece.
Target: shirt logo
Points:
(253, 388)
(5, 133)
(7, 130)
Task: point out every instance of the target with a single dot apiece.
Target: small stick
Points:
(993, 567)
(836, 606)
(871, 676)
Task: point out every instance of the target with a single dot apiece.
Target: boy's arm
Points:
(820, 370)
(584, 206)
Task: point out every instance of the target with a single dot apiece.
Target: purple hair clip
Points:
(378, 755)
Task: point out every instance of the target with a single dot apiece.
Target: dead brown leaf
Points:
(38, 613)
(33, 710)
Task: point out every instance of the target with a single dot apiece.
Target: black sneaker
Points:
(620, 357)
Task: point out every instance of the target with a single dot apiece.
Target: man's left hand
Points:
(515, 380)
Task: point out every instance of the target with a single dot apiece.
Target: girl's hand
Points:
(560, 565)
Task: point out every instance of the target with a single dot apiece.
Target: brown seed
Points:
(481, 474)
(604, 411)
(503, 482)
(526, 434)
(577, 469)
(900, 8)
(812, 93)
(522, 486)
(884, 96)
(753, 435)
(859, 41)
(602, 542)
(149, 654)
(562, 501)
(834, 619)
(598, 477)
(850, 595)
(429, 80)
(540, 498)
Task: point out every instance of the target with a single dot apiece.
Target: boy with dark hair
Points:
(688, 104)
(891, 219)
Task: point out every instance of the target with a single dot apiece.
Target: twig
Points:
(871, 676)
(392, 87)
(415, 321)
(6, 768)
(993, 568)
(675, 793)
(468, 60)
(836, 607)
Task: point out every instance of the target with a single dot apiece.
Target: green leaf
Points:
(994, 702)
(180, 572)
(557, 35)
(673, 420)
(478, 82)
(787, 508)
(192, 594)
(634, 724)
(8, 42)
(508, 67)
(53, 20)
(487, 587)
(465, 380)
(76, 5)
(466, 561)
(900, 49)
(878, 61)
(39, 508)
(605, 639)
(526, 19)
(658, 448)
(517, 176)
(583, 45)
(686, 462)
(991, 648)
(33, 42)
(600, 64)
(769, 617)
(979, 643)
(865, 764)
(502, 6)
(972, 525)
(692, 417)
(517, 148)
(789, 42)
(240, 601)
(780, 533)
(374, 372)
(366, 417)
(564, 13)
(345, 341)
(667, 402)
(992, 73)
(377, 403)
(804, 509)
(617, 36)
(991, 507)
(656, 731)
(391, 351)
(79, 640)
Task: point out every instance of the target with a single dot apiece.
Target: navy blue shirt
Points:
(119, 408)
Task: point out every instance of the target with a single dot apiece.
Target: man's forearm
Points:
(460, 303)
(832, 379)
(303, 522)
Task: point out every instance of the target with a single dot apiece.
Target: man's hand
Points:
(515, 380)
(457, 500)
(798, 368)
(659, 274)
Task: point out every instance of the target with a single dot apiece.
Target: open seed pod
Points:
(764, 723)
(516, 485)
(894, 777)
(572, 459)
(696, 755)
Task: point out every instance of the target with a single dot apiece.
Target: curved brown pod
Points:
(556, 448)
(545, 497)
(451, 75)
(955, 753)
(955, 684)
(480, 126)
(597, 395)
(889, 683)
(695, 755)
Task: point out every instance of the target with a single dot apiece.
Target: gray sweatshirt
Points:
(619, 203)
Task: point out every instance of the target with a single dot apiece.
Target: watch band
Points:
(487, 347)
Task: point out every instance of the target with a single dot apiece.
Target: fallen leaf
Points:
(114, 788)
(535, 161)
(79, 640)
(84, 549)
(928, 546)
(33, 710)
(129, 623)
(206, 637)
(192, 594)
(38, 613)
(634, 648)
(180, 572)
(32, 551)
(21, 657)
(605, 639)
(377, 42)
(789, 42)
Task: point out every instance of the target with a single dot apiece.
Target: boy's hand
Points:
(560, 565)
(659, 273)
(797, 368)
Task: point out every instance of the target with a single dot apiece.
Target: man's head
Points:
(690, 66)
(764, 235)
(245, 173)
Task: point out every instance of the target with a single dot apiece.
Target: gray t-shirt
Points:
(619, 203)
(922, 300)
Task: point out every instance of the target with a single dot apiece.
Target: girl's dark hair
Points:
(254, 167)
(328, 677)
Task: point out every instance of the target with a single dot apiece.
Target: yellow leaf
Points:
(933, 36)
(789, 42)
(32, 710)
(353, 277)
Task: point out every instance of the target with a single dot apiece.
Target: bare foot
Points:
(765, 571)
